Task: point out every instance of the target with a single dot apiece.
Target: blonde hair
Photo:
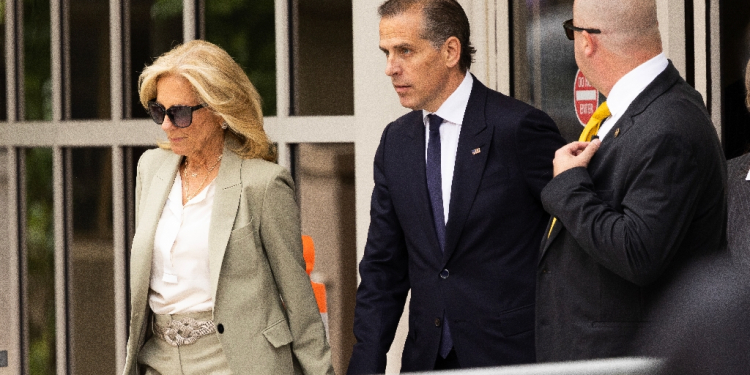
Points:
(220, 84)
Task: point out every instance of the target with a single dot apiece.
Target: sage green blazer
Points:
(263, 301)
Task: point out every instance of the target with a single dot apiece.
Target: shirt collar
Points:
(453, 109)
(632, 84)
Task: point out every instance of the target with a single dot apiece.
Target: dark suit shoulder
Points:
(672, 117)
(738, 167)
(673, 104)
(404, 128)
(502, 109)
(499, 101)
(405, 123)
(738, 202)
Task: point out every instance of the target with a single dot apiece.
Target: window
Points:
(544, 66)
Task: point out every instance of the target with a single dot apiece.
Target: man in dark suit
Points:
(634, 207)
(738, 196)
(456, 215)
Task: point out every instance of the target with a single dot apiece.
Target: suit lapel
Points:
(469, 168)
(738, 190)
(416, 176)
(226, 204)
(549, 237)
(150, 211)
(656, 88)
(743, 225)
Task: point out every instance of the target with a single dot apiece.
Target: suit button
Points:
(444, 274)
(437, 322)
(220, 328)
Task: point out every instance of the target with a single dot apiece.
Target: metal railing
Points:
(619, 366)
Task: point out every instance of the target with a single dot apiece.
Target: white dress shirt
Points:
(452, 112)
(180, 279)
(628, 88)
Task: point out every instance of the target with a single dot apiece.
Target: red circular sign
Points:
(585, 98)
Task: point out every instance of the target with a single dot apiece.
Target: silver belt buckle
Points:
(184, 331)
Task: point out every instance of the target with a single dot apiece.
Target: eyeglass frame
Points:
(169, 112)
(570, 29)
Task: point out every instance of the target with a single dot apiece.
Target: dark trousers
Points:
(448, 363)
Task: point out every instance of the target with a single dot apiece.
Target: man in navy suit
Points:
(456, 215)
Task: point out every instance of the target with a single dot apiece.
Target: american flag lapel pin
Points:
(476, 151)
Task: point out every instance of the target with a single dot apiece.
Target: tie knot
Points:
(435, 122)
(602, 112)
(592, 127)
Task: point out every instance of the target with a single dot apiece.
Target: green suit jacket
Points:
(263, 303)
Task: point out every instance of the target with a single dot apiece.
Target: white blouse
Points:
(180, 280)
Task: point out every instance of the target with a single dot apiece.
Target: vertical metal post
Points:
(481, 36)
(59, 169)
(120, 269)
(200, 19)
(19, 96)
(283, 84)
(59, 55)
(700, 35)
(284, 89)
(116, 27)
(11, 54)
(284, 155)
(188, 20)
(536, 67)
(115, 60)
(22, 276)
(715, 65)
(125, 73)
(502, 48)
(17, 352)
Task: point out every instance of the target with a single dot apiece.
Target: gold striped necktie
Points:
(592, 127)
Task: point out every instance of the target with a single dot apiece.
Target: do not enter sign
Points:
(586, 98)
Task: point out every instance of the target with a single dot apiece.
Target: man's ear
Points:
(451, 52)
(590, 43)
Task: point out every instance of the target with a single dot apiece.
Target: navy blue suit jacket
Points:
(494, 228)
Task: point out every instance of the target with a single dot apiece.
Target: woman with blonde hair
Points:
(218, 282)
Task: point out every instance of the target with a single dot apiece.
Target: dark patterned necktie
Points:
(435, 179)
(435, 188)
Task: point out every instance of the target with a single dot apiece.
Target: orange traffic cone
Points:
(319, 289)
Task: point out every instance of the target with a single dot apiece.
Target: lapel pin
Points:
(476, 151)
(617, 132)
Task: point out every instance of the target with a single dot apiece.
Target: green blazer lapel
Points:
(226, 204)
(150, 212)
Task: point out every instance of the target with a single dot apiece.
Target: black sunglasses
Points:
(570, 29)
(180, 115)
